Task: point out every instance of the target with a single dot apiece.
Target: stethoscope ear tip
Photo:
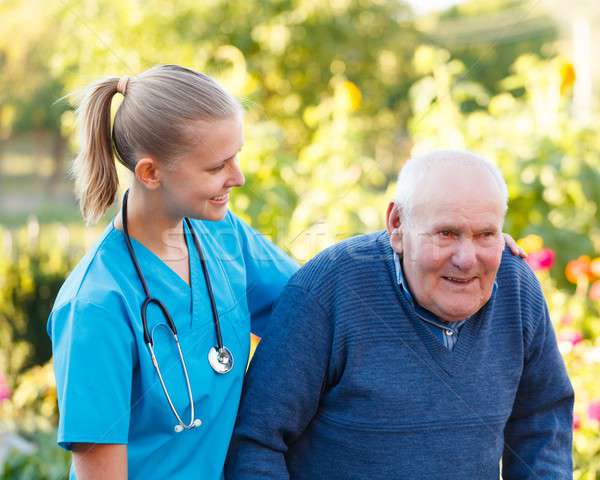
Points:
(180, 428)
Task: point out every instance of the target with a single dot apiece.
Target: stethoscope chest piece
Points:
(220, 360)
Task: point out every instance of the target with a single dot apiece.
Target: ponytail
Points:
(94, 168)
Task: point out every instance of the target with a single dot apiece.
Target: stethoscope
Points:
(219, 357)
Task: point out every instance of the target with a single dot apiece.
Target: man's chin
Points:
(462, 306)
(458, 314)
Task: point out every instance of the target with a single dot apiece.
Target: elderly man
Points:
(422, 352)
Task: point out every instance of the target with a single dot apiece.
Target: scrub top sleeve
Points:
(93, 356)
(268, 269)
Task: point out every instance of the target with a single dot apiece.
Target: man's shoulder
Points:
(515, 274)
(519, 288)
(353, 254)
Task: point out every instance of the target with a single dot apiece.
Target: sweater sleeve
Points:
(538, 435)
(282, 388)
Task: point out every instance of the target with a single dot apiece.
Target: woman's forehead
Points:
(216, 138)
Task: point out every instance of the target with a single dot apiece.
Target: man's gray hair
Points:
(415, 170)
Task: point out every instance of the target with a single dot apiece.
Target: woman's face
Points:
(198, 184)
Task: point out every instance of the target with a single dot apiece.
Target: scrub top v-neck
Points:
(108, 390)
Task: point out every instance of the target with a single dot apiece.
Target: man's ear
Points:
(147, 172)
(393, 226)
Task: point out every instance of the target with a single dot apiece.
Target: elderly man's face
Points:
(452, 242)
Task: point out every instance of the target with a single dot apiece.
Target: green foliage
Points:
(487, 36)
(32, 269)
(29, 85)
(47, 463)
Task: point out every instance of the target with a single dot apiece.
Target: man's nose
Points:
(465, 256)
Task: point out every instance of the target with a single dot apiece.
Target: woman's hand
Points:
(514, 248)
(93, 461)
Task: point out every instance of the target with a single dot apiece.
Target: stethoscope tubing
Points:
(211, 295)
(148, 338)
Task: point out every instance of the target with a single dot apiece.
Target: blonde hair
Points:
(155, 118)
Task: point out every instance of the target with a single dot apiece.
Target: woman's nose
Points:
(236, 177)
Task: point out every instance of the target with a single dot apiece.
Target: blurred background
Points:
(337, 94)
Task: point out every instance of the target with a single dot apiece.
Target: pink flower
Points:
(4, 390)
(594, 410)
(573, 337)
(567, 319)
(576, 422)
(542, 260)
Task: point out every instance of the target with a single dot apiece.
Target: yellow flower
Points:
(567, 77)
(531, 243)
(349, 96)
(254, 341)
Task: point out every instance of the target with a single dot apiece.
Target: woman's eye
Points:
(217, 169)
(222, 165)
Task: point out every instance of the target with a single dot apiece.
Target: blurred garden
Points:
(337, 93)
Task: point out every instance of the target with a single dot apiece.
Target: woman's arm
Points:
(94, 461)
(268, 269)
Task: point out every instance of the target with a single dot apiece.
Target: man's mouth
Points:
(459, 280)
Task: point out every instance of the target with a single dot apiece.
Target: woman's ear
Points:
(393, 226)
(147, 173)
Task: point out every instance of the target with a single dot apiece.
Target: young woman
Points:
(151, 331)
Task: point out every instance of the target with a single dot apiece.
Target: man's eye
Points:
(445, 234)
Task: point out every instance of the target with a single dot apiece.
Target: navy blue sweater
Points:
(349, 384)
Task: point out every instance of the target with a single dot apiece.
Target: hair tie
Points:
(122, 84)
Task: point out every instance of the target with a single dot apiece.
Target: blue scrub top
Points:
(108, 391)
